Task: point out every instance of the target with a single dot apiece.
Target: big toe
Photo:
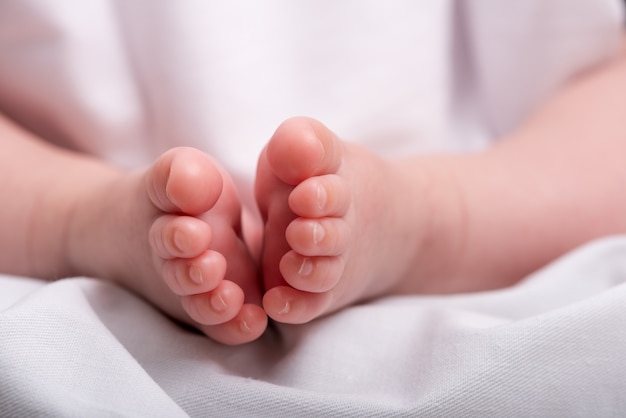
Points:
(184, 180)
(301, 148)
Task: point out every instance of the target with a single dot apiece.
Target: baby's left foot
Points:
(338, 223)
(172, 233)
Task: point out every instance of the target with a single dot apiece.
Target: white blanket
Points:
(551, 346)
(126, 80)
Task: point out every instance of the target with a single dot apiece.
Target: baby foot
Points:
(172, 233)
(335, 229)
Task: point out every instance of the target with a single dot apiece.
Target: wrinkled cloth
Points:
(126, 80)
(553, 345)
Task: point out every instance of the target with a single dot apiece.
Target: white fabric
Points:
(551, 346)
(128, 79)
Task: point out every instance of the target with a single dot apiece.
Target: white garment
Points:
(133, 80)
(126, 80)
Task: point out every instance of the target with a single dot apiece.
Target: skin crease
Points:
(428, 223)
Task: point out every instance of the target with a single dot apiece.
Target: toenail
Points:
(318, 233)
(195, 273)
(244, 327)
(285, 309)
(180, 241)
(218, 303)
(321, 197)
(306, 267)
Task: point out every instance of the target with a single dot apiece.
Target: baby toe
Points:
(179, 236)
(311, 274)
(318, 237)
(302, 148)
(215, 307)
(291, 306)
(320, 196)
(248, 325)
(184, 180)
(196, 275)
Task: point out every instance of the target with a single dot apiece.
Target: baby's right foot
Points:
(340, 224)
(172, 233)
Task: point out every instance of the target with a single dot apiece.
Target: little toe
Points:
(179, 236)
(184, 180)
(248, 325)
(302, 148)
(215, 307)
(311, 274)
(327, 195)
(196, 275)
(318, 237)
(291, 306)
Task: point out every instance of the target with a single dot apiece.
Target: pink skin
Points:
(179, 220)
(447, 223)
(326, 205)
(343, 225)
